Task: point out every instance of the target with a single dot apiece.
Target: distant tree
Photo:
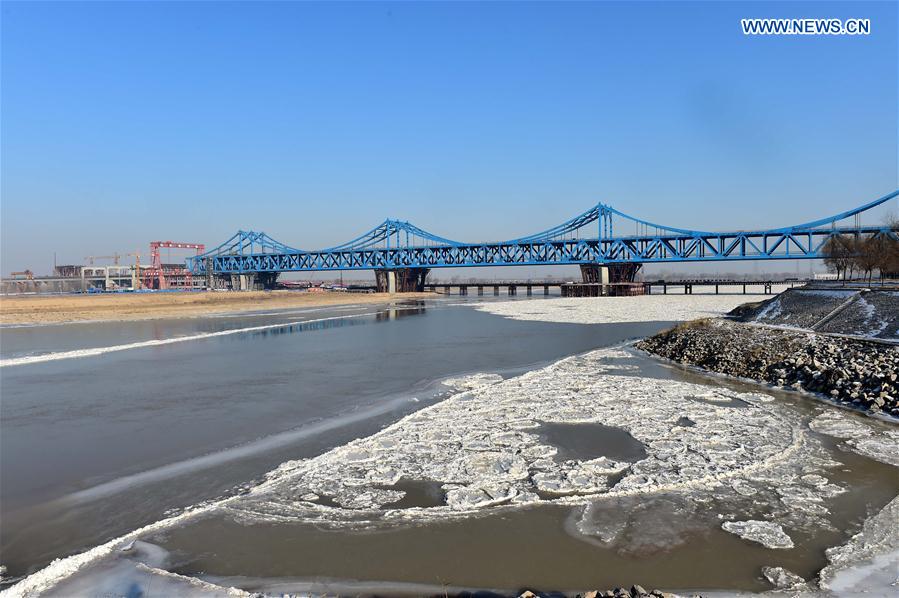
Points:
(888, 264)
(868, 254)
(838, 254)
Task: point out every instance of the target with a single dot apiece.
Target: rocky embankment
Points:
(635, 591)
(859, 373)
(865, 313)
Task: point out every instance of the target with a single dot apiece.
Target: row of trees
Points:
(848, 254)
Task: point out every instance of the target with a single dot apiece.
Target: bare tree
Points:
(838, 254)
(868, 254)
(888, 264)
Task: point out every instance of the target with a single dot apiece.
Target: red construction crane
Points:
(159, 272)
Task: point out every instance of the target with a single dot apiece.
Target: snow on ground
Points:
(603, 310)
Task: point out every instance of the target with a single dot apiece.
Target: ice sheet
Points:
(483, 447)
(601, 310)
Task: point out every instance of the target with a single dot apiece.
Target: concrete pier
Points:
(401, 280)
(251, 281)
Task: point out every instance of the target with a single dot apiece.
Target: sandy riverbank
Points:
(57, 309)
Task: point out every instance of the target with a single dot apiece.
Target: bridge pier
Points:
(401, 280)
(249, 281)
(219, 281)
(480, 289)
(266, 280)
(242, 282)
(609, 273)
(594, 273)
(210, 274)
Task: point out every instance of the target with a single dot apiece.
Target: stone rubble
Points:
(857, 373)
(635, 591)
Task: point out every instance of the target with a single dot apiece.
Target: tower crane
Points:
(136, 283)
(114, 257)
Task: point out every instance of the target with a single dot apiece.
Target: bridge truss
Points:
(596, 236)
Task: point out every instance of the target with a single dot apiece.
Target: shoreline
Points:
(43, 310)
(839, 346)
(761, 384)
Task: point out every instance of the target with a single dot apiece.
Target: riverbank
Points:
(856, 373)
(839, 345)
(61, 309)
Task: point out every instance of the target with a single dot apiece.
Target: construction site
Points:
(116, 272)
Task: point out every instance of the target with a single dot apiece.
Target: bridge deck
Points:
(593, 237)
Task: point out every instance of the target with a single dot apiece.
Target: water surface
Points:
(93, 447)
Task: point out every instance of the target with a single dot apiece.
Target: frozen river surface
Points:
(427, 447)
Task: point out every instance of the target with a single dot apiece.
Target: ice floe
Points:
(484, 447)
(648, 308)
(783, 579)
(139, 571)
(643, 525)
(871, 439)
(472, 381)
(766, 533)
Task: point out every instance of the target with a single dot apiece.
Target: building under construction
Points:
(91, 277)
(162, 276)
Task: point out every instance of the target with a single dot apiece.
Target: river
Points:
(109, 427)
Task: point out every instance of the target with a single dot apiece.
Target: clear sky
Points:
(125, 122)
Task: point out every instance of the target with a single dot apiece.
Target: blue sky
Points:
(128, 122)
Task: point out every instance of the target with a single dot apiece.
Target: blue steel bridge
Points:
(600, 236)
